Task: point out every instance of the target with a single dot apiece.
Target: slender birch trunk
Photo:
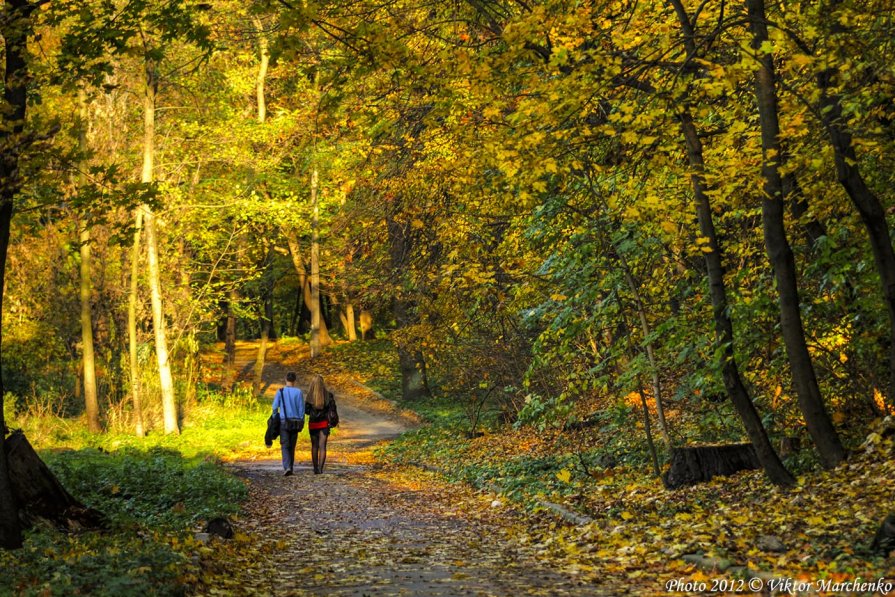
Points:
(166, 381)
(91, 401)
(88, 354)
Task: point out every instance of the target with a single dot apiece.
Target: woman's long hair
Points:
(317, 392)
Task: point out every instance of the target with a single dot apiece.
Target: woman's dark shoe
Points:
(287, 472)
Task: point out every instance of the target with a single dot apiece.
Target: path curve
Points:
(368, 529)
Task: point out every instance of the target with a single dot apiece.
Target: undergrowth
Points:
(603, 471)
(155, 493)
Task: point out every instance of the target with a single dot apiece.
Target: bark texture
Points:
(39, 494)
(818, 421)
(15, 26)
(724, 337)
(695, 464)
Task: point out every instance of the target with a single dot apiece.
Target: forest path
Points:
(363, 528)
(366, 418)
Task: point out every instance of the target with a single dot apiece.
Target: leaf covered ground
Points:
(378, 523)
(383, 530)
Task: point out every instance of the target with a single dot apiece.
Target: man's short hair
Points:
(290, 376)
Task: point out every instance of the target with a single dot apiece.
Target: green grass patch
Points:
(153, 500)
(155, 491)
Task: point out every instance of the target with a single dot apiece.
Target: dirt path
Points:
(375, 530)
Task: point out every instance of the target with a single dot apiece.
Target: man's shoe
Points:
(287, 472)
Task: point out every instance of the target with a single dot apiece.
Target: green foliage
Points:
(155, 492)
(54, 563)
(157, 488)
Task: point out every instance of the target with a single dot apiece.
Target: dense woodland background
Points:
(667, 216)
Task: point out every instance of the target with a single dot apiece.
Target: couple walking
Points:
(292, 405)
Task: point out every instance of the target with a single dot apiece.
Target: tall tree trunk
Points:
(264, 55)
(316, 319)
(88, 355)
(294, 318)
(804, 379)
(230, 343)
(89, 359)
(267, 286)
(352, 327)
(868, 205)
(414, 380)
(305, 282)
(724, 338)
(258, 378)
(166, 381)
(714, 262)
(10, 527)
(15, 26)
(266, 323)
(132, 325)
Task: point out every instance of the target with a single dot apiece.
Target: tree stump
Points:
(884, 541)
(695, 464)
(38, 492)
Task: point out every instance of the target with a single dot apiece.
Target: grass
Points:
(155, 491)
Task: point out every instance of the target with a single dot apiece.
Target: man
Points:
(290, 402)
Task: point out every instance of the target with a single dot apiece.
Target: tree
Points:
(773, 200)
(15, 27)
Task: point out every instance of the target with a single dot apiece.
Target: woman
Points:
(317, 407)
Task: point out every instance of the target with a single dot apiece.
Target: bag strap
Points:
(282, 401)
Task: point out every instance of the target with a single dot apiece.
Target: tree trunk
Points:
(89, 359)
(132, 325)
(305, 282)
(724, 338)
(649, 434)
(266, 322)
(650, 353)
(91, 401)
(230, 343)
(262, 69)
(10, 526)
(166, 381)
(867, 204)
(316, 341)
(258, 379)
(804, 379)
(352, 328)
(39, 494)
(15, 25)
